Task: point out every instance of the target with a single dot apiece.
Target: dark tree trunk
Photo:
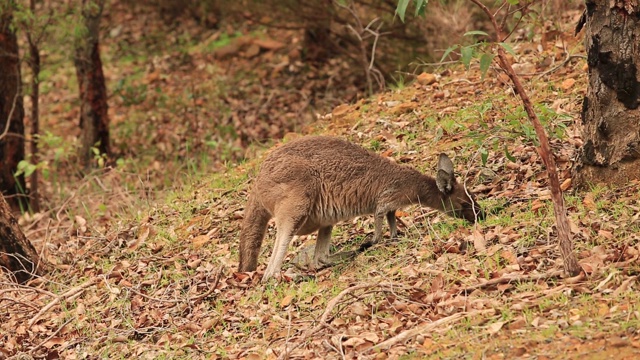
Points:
(11, 111)
(34, 63)
(94, 119)
(16, 252)
(610, 114)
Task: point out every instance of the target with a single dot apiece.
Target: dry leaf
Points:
(536, 204)
(370, 336)
(426, 79)
(341, 110)
(624, 286)
(199, 241)
(81, 223)
(589, 202)
(509, 256)
(353, 342)
(495, 327)
(286, 301)
(479, 241)
(606, 234)
(567, 84)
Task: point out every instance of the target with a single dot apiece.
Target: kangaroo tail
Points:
(254, 227)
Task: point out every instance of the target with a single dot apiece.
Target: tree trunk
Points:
(610, 115)
(34, 63)
(94, 119)
(11, 111)
(16, 252)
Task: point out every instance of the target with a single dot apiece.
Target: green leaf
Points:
(402, 8)
(485, 61)
(26, 168)
(508, 154)
(508, 48)
(513, 2)
(22, 164)
(29, 170)
(484, 156)
(420, 6)
(475, 32)
(438, 136)
(448, 51)
(467, 54)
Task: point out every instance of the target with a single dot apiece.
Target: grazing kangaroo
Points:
(314, 182)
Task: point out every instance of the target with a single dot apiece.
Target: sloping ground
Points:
(161, 283)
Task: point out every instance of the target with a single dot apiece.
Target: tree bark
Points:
(94, 119)
(610, 115)
(34, 63)
(16, 252)
(11, 111)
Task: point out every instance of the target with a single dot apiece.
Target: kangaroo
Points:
(314, 182)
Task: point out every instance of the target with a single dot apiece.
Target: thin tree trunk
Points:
(610, 113)
(16, 252)
(34, 62)
(11, 111)
(565, 243)
(94, 119)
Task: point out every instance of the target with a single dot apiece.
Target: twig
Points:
(13, 107)
(605, 281)
(367, 61)
(323, 319)
(51, 336)
(19, 287)
(408, 334)
(24, 304)
(213, 288)
(175, 301)
(508, 279)
(170, 301)
(84, 183)
(563, 63)
(69, 293)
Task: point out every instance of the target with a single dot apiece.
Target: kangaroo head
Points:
(456, 200)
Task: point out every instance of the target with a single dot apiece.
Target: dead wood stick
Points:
(327, 312)
(333, 302)
(508, 279)
(69, 293)
(213, 288)
(51, 336)
(408, 334)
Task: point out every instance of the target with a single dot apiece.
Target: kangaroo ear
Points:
(445, 178)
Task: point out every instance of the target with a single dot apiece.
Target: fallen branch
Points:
(30, 352)
(508, 279)
(408, 334)
(213, 288)
(563, 63)
(71, 292)
(327, 312)
(19, 288)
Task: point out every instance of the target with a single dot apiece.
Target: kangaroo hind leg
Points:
(288, 223)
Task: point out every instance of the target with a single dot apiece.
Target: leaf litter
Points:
(163, 284)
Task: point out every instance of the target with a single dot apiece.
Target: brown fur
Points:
(314, 182)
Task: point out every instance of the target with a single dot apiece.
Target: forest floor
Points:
(146, 253)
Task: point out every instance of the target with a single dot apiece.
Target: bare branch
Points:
(411, 333)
